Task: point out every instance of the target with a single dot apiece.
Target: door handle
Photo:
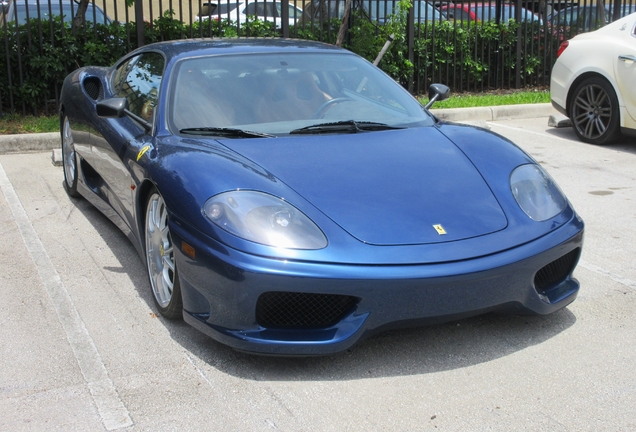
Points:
(627, 57)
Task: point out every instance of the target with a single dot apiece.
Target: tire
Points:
(594, 111)
(69, 158)
(160, 259)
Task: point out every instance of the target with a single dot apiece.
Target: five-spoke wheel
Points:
(594, 111)
(160, 259)
(69, 159)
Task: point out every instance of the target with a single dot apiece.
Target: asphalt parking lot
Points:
(82, 347)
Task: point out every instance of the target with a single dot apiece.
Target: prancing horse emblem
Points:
(440, 229)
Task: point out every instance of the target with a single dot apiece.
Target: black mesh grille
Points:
(556, 272)
(302, 310)
(93, 87)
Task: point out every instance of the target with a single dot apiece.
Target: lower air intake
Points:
(556, 272)
(302, 310)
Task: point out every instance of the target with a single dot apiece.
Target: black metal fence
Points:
(467, 45)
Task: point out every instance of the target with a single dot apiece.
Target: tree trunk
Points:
(344, 24)
(600, 14)
(80, 16)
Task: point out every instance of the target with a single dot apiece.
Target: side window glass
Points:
(138, 80)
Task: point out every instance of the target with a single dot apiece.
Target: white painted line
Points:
(541, 134)
(599, 270)
(111, 409)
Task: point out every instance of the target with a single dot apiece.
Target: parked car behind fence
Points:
(469, 12)
(21, 10)
(587, 17)
(318, 11)
(238, 11)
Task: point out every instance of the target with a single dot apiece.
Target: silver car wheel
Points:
(159, 252)
(68, 153)
(69, 158)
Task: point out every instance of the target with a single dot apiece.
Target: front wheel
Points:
(69, 160)
(594, 111)
(162, 268)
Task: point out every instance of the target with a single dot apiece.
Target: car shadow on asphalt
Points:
(625, 144)
(405, 352)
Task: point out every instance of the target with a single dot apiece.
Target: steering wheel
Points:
(322, 109)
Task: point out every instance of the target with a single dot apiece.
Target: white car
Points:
(593, 82)
(238, 11)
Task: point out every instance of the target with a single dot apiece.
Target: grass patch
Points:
(469, 100)
(17, 124)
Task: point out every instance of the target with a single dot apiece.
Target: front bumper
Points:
(221, 289)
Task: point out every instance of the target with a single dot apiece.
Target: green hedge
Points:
(39, 55)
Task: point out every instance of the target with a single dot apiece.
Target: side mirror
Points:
(437, 92)
(112, 108)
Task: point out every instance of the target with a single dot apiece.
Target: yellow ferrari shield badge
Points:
(440, 229)
(143, 150)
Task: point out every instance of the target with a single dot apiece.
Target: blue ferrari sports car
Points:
(289, 198)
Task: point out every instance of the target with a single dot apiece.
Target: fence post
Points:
(518, 6)
(139, 20)
(284, 17)
(410, 41)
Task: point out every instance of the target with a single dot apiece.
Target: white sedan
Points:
(238, 11)
(594, 82)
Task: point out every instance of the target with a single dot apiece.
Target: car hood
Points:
(400, 187)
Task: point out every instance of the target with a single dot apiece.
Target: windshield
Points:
(282, 92)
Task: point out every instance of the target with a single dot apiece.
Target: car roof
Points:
(211, 46)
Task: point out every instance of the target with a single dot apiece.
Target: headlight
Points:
(264, 219)
(536, 193)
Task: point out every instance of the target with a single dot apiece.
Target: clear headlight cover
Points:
(264, 219)
(536, 193)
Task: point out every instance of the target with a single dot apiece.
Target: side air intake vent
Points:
(93, 88)
(556, 272)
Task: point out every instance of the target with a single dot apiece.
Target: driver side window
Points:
(138, 80)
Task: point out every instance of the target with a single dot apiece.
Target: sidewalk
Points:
(48, 141)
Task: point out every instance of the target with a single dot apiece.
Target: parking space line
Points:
(541, 134)
(599, 270)
(112, 411)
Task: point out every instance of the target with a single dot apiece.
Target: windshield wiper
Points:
(351, 126)
(225, 132)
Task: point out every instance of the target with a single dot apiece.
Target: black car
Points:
(587, 17)
(320, 11)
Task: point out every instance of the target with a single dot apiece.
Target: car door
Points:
(121, 140)
(625, 68)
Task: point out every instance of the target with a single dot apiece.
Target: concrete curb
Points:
(48, 141)
(21, 143)
(494, 113)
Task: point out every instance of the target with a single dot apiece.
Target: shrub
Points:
(461, 55)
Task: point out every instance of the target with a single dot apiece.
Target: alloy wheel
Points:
(159, 251)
